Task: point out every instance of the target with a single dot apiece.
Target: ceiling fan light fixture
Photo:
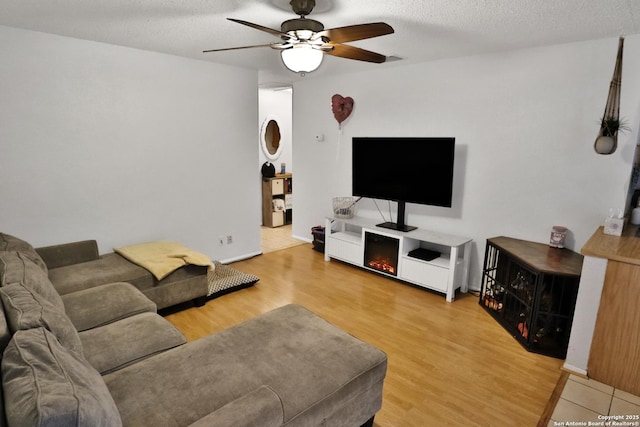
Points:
(302, 34)
(302, 58)
(303, 41)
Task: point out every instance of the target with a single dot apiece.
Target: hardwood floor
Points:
(449, 364)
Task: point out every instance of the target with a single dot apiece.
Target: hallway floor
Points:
(276, 238)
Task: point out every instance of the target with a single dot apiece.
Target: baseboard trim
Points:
(574, 370)
(240, 257)
(304, 239)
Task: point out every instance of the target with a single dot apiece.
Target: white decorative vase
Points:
(635, 216)
(605, 144)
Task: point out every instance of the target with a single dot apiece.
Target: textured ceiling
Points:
(424, 29)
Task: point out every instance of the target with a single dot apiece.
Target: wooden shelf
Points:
(280, 190)
(625, 248)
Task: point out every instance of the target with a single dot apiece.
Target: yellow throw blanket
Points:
(163, 258)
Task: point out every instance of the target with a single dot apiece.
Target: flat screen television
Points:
(404, 170)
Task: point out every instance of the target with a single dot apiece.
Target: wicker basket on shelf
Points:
(344, 207)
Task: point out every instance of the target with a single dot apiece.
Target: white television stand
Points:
(345, 241)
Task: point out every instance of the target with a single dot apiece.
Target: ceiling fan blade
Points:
(236, 48)
(352, 33)
(352, 52)
(271, 31)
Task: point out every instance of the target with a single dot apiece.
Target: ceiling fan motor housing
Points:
(302, 7)
(301, 24)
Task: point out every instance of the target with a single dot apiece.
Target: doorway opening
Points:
(275, 148)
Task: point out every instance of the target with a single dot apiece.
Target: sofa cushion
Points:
(15, 267)
(117, 301)
(25, 309)
(260, 408)
(119, 344)
(314, 367)
(5, 333)
(185, 284)
(11, 243)
(108, 268)
(46, 385)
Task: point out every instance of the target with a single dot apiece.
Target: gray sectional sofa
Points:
(102, 356)
(78, 265)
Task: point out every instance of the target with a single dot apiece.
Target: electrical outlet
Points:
(229, 239)
(220, 240)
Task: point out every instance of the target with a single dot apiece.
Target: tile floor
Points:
(585, 402)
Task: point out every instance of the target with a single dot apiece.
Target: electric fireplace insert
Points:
(381, 253)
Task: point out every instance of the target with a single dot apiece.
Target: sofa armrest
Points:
(69, 253)
(260, 408)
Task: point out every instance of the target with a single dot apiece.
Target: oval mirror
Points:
(270, 138)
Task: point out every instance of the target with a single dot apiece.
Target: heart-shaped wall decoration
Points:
(341, 107)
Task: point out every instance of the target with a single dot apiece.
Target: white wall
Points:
(594, 271)
(524, 122)
(277, 104)
(125, 146)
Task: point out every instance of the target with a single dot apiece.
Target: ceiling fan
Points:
(305, 41)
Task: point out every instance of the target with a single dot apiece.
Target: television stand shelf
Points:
(359, 241)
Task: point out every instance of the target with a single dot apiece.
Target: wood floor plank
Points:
(449, 363)
(553, 400)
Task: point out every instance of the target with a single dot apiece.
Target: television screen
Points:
(414, 170)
